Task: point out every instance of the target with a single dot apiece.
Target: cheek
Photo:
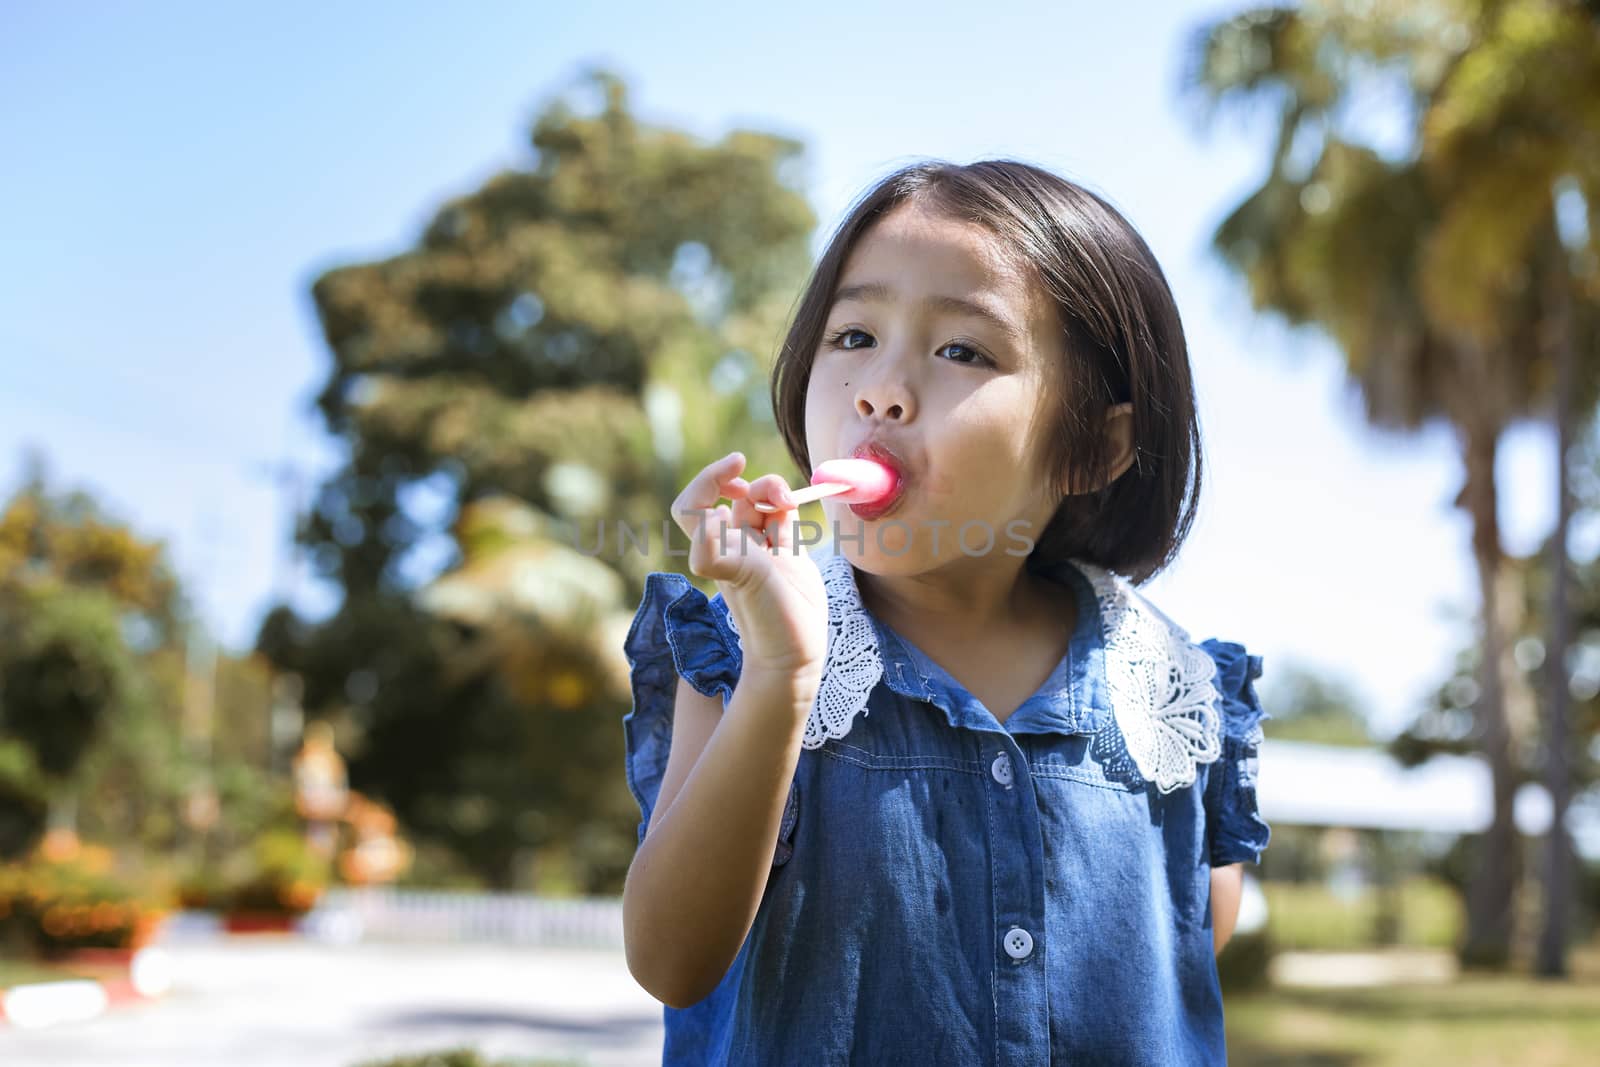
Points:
(827, 379)
(983, 447)
(827, 397)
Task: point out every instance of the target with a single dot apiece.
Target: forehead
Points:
(916, 256)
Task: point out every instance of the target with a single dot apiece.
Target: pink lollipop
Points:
(855, 481)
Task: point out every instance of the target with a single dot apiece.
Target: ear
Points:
(1119, 424)
(1119, 427)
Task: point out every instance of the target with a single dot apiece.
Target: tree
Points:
(529, 361)
(1312, 707)
(1435, 301)
(84, 606)
(1447, 724)
(1517, 125)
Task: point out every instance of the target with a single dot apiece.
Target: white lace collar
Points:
(1160, 683)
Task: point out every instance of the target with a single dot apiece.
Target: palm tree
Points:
(1374, 251)
(1518, 127)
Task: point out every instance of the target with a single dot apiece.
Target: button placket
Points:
(1019, 900)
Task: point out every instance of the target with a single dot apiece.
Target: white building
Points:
(1304, 784)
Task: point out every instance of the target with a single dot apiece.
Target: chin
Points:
(891, 545)
(901, 542)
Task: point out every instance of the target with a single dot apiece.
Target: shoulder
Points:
(1229, 667)
(1237, 669)
(1176, 700)
(677, 627)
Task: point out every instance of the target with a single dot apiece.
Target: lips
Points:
(882, 453)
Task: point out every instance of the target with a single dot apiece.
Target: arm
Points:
(1227, 886)
(696, 882)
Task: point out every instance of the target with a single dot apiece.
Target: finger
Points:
(712, 552)
(783, 531)
(734, 543)
(703, 491)
(768, 489)
(746, 515)
(772, 489)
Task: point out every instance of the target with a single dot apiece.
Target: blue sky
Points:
(176, 175)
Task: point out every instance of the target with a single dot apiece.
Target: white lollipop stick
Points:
(808, 494)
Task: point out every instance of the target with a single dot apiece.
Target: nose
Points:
(886, 394)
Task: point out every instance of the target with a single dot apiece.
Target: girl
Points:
(950, 790)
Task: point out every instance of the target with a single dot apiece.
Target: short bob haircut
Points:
(1122, 341)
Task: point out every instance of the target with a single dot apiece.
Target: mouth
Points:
(880, 453)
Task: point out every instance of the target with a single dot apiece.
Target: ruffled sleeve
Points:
(1234, 823)
(676, 631)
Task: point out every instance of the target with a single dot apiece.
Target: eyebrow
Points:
(880, 293)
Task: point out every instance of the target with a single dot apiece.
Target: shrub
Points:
(458, 1057)
(278, 874)
(54, 906)
(1246, 960)
(201, 888)
(285, 878)
(1311, 916)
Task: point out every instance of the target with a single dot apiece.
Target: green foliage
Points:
(95, 645)
(435, 865)
(90, 618)
(284, 876)
(1307, 706)
(1471, 1022)
(1451, 722)
(64, 666)
(1436, 264)
(275, 873)
(560, 346)
(66, 537)
(1246, 960)
(52, 906)
(1415, 258)
(1314, 917)
(24, 804)
(458, 1057)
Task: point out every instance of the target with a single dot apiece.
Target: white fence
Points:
(378, 914)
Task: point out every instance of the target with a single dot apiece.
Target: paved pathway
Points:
(266, 1001)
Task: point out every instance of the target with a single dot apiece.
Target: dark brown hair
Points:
(1122, 338)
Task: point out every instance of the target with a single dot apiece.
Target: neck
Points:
(963, 600)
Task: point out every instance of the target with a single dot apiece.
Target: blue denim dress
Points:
(948, 889)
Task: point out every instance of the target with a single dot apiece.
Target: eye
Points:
(837, 340)
(977, 358)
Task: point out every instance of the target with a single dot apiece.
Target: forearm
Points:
(1227, 887)
(696, 882)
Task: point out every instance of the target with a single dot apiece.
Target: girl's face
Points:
(951, 391)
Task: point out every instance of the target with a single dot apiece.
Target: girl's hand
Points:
(772, 587)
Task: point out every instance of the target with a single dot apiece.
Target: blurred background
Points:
(338, 342)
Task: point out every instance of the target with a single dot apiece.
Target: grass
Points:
(1488, 1022)
(1311, 917)
(1475, 1021)
(462, 1056)
(20, 972)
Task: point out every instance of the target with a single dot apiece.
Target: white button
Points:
(1019, 943)
(1001, 769)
